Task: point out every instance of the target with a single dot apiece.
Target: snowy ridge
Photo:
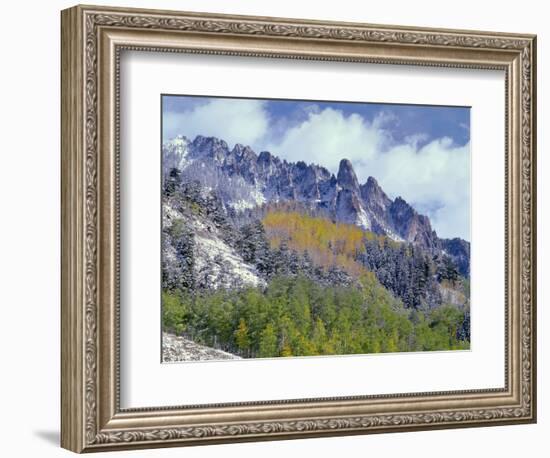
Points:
(244, 180)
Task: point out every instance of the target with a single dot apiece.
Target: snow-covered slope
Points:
(196, 240)
(221, 262)
(176, 348)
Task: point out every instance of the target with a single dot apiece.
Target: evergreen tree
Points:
(181, 275)
(172, 182)
(409, 272)
(262, 253)
(268, 346)
(205, 276)
(297, 316)
(463, 332)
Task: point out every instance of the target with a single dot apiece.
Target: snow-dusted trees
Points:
(172, 182)
(254, 247)
(447, 269)
(410, 272)
(178, 260)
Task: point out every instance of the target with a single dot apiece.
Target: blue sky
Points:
(421, 153)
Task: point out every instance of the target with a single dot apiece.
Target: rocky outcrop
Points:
(177, 349)
(459, 251)
(377, 205)
(346, 178)
(349, 206)
(410, 225)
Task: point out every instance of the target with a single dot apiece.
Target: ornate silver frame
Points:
(92, 39)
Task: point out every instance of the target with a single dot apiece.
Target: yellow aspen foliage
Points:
(286, 350)
(328, 243)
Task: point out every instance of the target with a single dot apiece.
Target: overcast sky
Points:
(421, 153)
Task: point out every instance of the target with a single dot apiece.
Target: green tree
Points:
(268, 342)
(446, 321)
(174, 312)
(241, 337)
(319, 337)
(297, 316)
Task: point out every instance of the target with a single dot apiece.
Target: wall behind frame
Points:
(29, 233)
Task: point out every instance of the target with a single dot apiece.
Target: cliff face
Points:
(245, 180)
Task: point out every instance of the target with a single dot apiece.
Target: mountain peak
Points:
(244, 151)
(414, 227)
(400, 201)
(180, 138)
(401, 210)
(346, 175)
(377, 202)
(248, 180)
(211, 145)
(372, 182)
(371, 190)
(265, 156)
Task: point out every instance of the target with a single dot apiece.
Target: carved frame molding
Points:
(92, 39)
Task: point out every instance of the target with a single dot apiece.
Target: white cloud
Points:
(434, 178)
(235, 121)
(327, 136)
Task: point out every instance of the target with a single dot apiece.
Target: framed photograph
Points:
(279, 228)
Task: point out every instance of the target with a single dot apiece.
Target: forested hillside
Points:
(297, 316)
(286, 279)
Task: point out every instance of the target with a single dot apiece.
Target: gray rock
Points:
(245, 180)
(177, 349)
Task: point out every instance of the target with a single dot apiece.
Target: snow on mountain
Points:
(178, 348)
(255, 199)
(218, 260)
(174, 154)
(244, 180)
(213, 261)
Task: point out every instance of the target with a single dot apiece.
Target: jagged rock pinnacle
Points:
(346, 176)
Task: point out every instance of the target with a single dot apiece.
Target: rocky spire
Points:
(346, 176)
(412, 226)
(373, 195)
